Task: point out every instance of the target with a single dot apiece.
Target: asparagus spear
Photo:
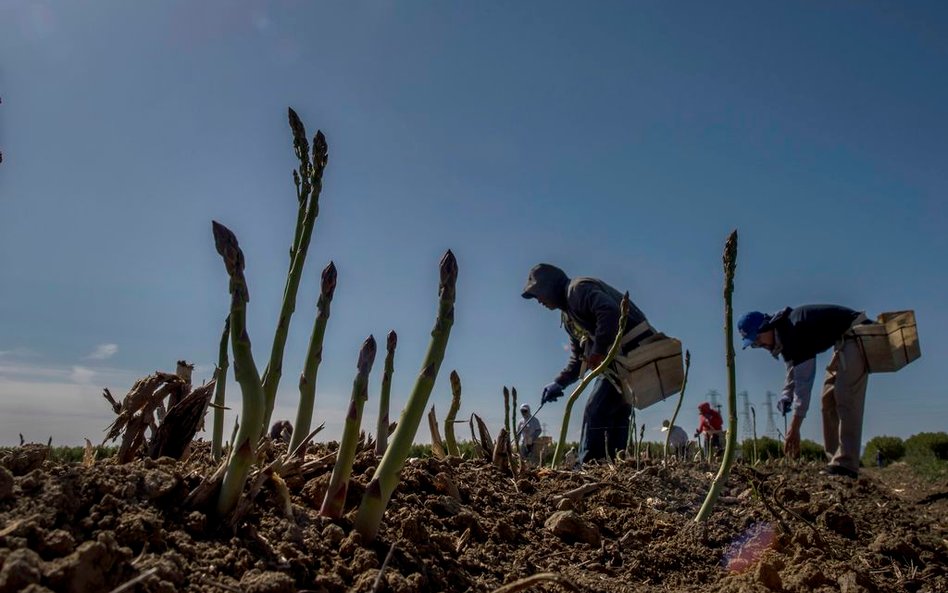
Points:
(311, 183)
(222, 364)
(386, 477)
(507, 415)
(244, 444)
(449, 439)
(381, 429)
(730, 263)
(339, 481)
(560, 450)
(681, 396)
(314, 356)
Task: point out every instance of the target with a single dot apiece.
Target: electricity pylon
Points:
(771, 425)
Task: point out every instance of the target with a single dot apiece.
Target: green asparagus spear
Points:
(221, 374)
(339, 481)
(314, 356)
(730, 263)
(245, 371)
(449, 439)
(386, 477)
(311, 173)
(681, 396)
(381, 427)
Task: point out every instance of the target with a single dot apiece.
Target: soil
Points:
(465, 525)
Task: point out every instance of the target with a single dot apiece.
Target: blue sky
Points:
(622, 142)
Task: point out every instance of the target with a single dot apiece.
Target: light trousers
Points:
(843, 403)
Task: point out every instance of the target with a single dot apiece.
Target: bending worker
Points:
(711, 425)
(798, 334)
(590, 314)
(529, 430)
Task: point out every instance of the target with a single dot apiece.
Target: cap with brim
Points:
(750, 325)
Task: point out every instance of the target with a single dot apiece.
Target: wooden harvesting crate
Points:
(890, 343)
(651, 372)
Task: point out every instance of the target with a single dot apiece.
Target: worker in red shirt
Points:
(710, 423)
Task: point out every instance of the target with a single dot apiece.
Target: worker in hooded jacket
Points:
(590, 314)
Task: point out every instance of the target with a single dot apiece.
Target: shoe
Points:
(838, 470)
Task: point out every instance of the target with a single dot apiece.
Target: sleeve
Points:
(799, 385)
(570, 372)
(606, 311)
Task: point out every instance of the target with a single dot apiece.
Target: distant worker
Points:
(710, 424)
(529, 430)
(281, 430)
(590, 314)
(798, 334)
(677, 439)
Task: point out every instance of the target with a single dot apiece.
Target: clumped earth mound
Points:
(462, 525)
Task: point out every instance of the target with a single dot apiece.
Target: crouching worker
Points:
(529, 430)
(711, 425)
(798, 334)
(590, 314)
(677, 439)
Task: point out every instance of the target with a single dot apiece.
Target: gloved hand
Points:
(784, 405)
(551, 392)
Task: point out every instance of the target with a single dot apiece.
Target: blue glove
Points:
(551, 392)
(784, 405)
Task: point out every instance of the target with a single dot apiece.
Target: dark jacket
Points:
(806, 331)
(591, 310)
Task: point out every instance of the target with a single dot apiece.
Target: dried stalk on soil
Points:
(681, 396)
(183, 420)
(252, 421)
(482, 440)
(217, 437)
(309, 179)
(560, 450)
(536, 579)
(339, 481)
(136, 412)
(449, 440)
(730, 264)
(382, 429)
(386, 477)
(437, 445)
(314, 356)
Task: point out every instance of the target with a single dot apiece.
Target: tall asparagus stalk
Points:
(681, 397)
(314, 356)
(507, 417)
(309, 181)
(244, 444)
(386, 477)
(513, 421)
(560, 450)
(449, 440)
(222, 364)
(730, 264)
(339, 481)
(381, 428)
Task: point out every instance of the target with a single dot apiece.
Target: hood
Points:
(775, 318)
(549, 282)
(704, 408)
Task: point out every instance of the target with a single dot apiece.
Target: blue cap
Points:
(750, 325)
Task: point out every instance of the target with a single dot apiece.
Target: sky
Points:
(622, 141)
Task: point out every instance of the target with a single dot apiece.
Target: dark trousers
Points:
(606, 417)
